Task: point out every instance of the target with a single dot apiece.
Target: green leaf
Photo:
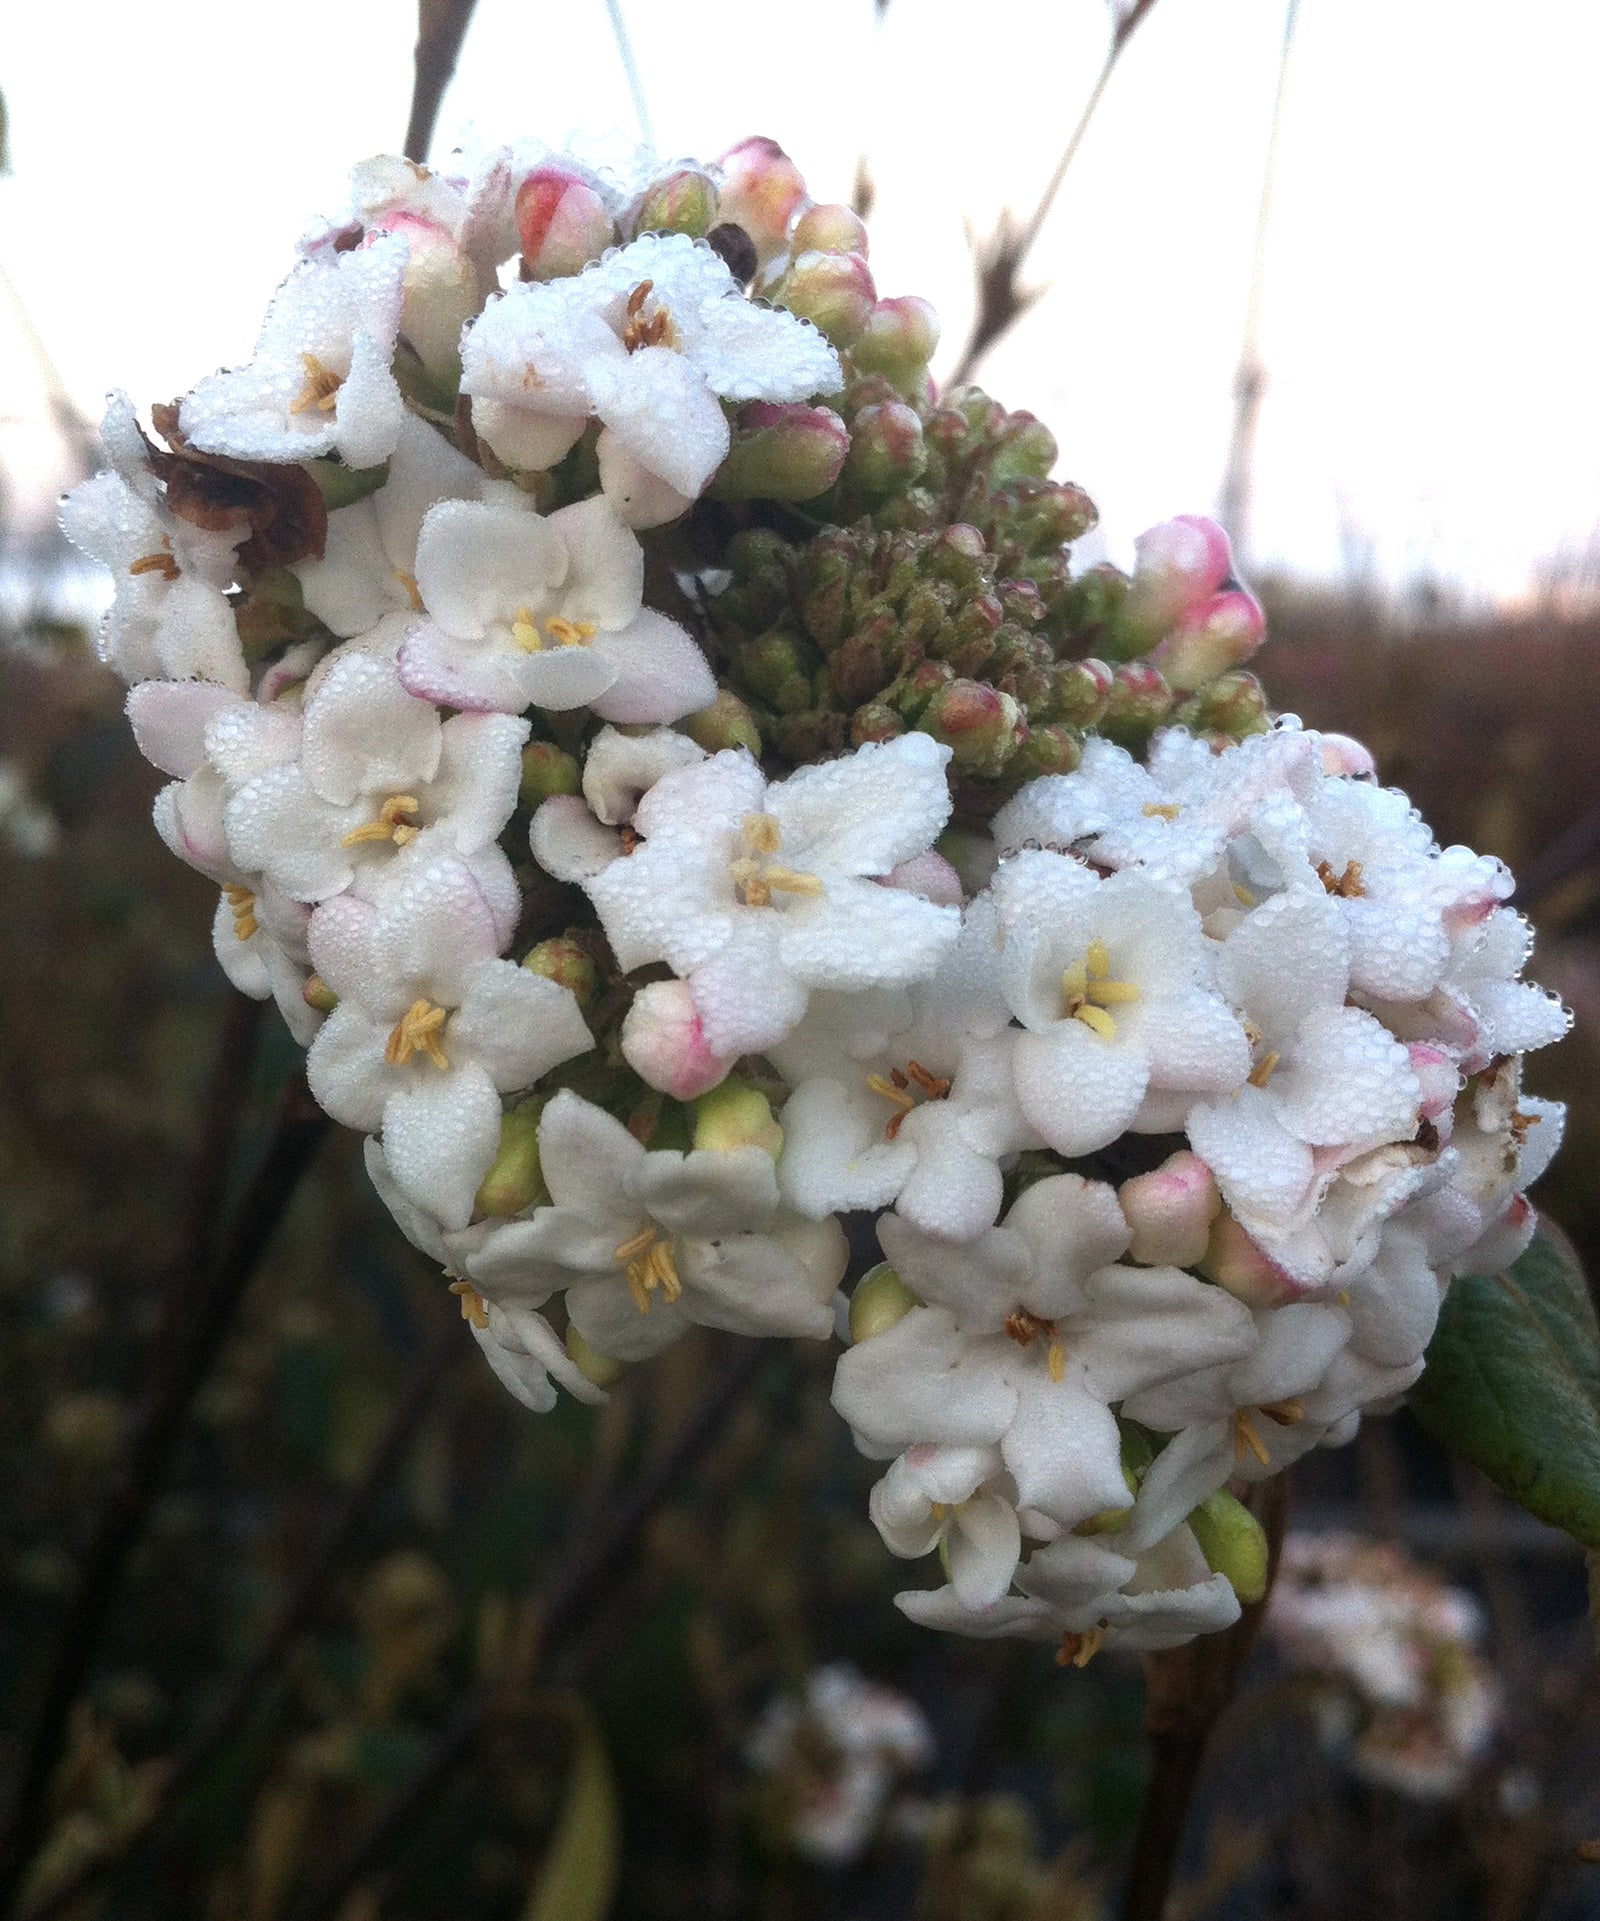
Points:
(342, 486)
(1513, 1384)
(579, 1877)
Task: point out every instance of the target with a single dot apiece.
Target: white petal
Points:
(605, 563)
(1077, 1088)
(660, 674)
(441, 1132)
(568, 842)
(516, 1025)
(866, 812)
(660, 410)
(169, 720)
(985, 1546)
(364, 734)
(478, 561)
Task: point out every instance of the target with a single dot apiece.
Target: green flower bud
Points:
(1234, 704)
(829, 229)
(514, 1181)
(1234, 1543)
(874, 720)
(886, 451)
(591, 1363)
(834, 291)
(1050, 748)
(318, 994)
(735, 1114)
(1027, 450)
(727, 722)
(788, 452)
(567, 964)
(547, 770)
(1080, 691)
(773, 668)
(1140, 700)
(898, 341)
(982, 727)
(685, 201)
(881, 1301)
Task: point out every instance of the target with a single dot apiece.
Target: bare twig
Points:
(202, 1313)
(630, 66)
(298, 1611)
(441, 28)
(999, 259)
(1188, 1689)
(570, 1603)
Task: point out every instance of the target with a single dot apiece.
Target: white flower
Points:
(369, 565)
(1110, 979)
(647, 1242)
(963, 1498)
(760, 894)
(319, 382)
(525, 611)
(374, 770)
(431, 1028)
(651, 340)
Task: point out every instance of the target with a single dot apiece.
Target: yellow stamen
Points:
(647, 1263)
(1347, 886)
(525, 631)
(1247, 1440)
(938, 1510)
(637, 331)
(762, 834)
(413, 591)
(902, 1098)
(1098, 960)
(1243, 895)
(321, 391)
(1056, 1361)
(637, 1245)
(1099, 1020)
(473, 1307)
(1343, 1297)
(787, 881)
(242, 906)
(1286, 1413)
(1112, 993)
(756, 875)
(417, 1032)
(569, 633)
(1264, 1070)
(1161, 810)
(162, 563)
(391, 823)
(1078, 1650)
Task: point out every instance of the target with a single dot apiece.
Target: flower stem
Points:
(441, 28)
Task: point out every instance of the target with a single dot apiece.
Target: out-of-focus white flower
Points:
(647, 1242)
(758, 894)
(545, 612)
(651, 341)
(319, 381)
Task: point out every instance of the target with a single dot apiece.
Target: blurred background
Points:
(1331, 281)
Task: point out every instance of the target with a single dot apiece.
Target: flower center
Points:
(1087, 990)
(321, 390)
(242, 906)
(1078, 1650)
(417, 1032)
(1161, 810)
(640, 329)
(896, 1086)
(393, 823)
(473, 1306)
(1347, 886)
(558, 631)
(647, 1263)
(1025, 1327)
(161, 563)
(756, 876)
(1264, 1069)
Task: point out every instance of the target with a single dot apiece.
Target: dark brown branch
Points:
(1187, 1690)
(441, 28)
(201, 1310)
(571, 1602)
(297, 1613)
(1002, 300)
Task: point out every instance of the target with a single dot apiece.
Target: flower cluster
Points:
(881, 864)
(1405, 1691)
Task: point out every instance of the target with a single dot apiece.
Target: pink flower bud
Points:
(829, 229)
(1178, 564)
(1210, 639)
(563, 222)
(761, 189)
(1170, 1211)
(834, 291)
(1342, 755)
(665, 1045)
(782, 452)
(1234, 1262)
(898, 341)
(441, 292)
(931, 876)
(982, 726)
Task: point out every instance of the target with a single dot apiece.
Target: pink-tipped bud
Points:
(1234, 1262)
(834, 291)
(761, 190)
(1440, 1079)
(1210, 640)
(685, 201)
(898, 341)
(441, 293)
(887, 452)
(1178, 564)
(981, 726)
(1342, 755)
(665, 1045)
(1170, 1211)
(782, 452)
(931, 876)
(829, 229)
(562, 221)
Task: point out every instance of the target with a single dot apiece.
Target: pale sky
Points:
(1432, 300)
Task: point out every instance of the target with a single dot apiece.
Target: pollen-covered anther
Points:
(1161, 810)
(1087, 991)
(413, 591)
(756, 876)
(473, 1306)
(558, 631)
(393, 823)
(647, 1263)
(1520, 1123)
(1078, 1650)
(1264, 1069)
(1287, 1413)
(417, 1032)
(1025, 1327)
(321, 390)
(162, 563)
(640, 329)
(1347, 886)
(896, 1086)
(242, 906)
(1247, 1438)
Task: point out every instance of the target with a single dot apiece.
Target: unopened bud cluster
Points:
(654, 886)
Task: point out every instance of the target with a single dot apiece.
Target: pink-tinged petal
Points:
(245, 739)
(660, 672)
(169, 720)
(346, 1069)
(605, 563)
(658, 406)
(441, 1131)
(476, 677)
(663, 1041)
(517, 1025)
(568, 842)
(188, 816)
(364, 734)
(478, 561)
(747, 1001)
(1078, 1089)
(433, 927)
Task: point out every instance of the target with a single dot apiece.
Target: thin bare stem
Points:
(201, 1310)
(999, 260)
(570, 1604)
(441, 28)
(630, 66)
